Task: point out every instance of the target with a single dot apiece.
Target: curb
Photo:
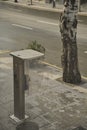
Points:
(31, 9)
(59, 68)
(53, 13)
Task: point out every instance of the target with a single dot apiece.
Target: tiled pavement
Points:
(52, 104)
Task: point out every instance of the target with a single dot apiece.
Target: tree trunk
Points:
(68, 29)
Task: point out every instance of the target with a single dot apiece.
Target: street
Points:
(49, 102)
(17, 30)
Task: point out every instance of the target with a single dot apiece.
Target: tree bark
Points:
(68, 29)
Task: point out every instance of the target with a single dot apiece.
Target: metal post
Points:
(19, 90)
(79, 5)
(15, 1)
(54, 3)
(31, 2)
(20, 66)
(19, 101)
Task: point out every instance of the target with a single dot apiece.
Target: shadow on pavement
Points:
(27, 126)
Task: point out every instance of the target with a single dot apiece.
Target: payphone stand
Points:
(19, 59)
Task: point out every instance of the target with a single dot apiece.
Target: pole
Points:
(19, 99)
(54, 3)
(31, 2)
(16, 1)
(79, 5)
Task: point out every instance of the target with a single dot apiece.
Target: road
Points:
(17, 30)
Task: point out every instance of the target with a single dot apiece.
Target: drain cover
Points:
(79, 128)
(27, 126)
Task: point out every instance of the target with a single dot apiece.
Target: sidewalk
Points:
(42, 3)
(39, 3)
(51, 103)
(43, 6)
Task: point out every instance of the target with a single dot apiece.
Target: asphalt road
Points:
(17, 30)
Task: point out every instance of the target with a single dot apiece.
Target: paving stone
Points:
(27, 126)
(41, 121)
(79, 128)
(50, 127)
(53, 105)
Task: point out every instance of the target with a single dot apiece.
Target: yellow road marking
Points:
(51, 65)
(4, 51)
(57, 67)
(84, 77)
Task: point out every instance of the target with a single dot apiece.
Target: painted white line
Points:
(19, 10)
(47, 22)
(85, 52)
(21, 26)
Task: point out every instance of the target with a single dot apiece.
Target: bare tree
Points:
(68, 29)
